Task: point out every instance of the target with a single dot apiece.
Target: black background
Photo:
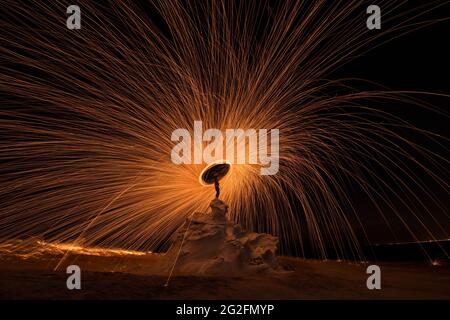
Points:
(416, 61)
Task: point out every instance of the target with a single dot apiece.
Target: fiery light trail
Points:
(86, 118)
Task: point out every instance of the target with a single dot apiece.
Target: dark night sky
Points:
(416, 61)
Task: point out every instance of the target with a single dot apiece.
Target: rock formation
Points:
(211, 244)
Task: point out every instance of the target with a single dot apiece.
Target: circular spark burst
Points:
(86, 119)
(214, 171)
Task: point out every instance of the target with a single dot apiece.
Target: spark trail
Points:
(86, 118)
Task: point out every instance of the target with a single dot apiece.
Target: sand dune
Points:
(128, 276)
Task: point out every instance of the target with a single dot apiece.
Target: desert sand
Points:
(128, 276)
(216, 259)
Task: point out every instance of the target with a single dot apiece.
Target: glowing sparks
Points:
(76, 249)
(87, 117)
(436, 263)
(39, 248)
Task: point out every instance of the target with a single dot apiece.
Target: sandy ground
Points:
(131, 277)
